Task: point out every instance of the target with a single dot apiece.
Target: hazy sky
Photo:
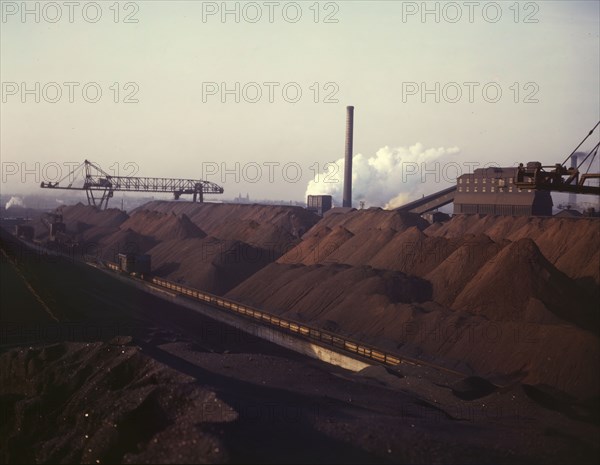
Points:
(379, 56)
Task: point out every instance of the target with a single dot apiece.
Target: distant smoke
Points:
(388, 179)
(15, 202)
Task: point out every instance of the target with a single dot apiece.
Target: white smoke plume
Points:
(388, 179)
(15, 202)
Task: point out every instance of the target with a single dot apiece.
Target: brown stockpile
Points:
(377, 275)
(309, 292)
(413, 252)
(387, 240)
(77, 216)
(339, 235)
(390, 310)
(461, 225)
(140, 233)
(408, 250)
(316, 248)
(520, 284)
(266, 226)
(372, 218)
(220, 261)
(361, 247)
(210, 264)
(245, 239)
(122, 241)
(84, 403)
(571, 244)
(456, 271)
(162, 226)
(85, 223)
(552, 354)
(357, 301)
(484, 272)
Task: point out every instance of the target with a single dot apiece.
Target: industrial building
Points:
(133, 263)
(319, 204)
(492, 191)
(56, 227)
(486, 191)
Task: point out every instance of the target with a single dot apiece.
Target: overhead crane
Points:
(100, 186)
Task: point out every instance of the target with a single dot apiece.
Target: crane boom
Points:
(558, 177)
(100, 186)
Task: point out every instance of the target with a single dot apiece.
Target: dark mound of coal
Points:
(472, 388)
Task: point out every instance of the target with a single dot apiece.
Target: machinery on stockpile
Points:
(515, 191)
(558, 177)
(100, 186)
(57, 230)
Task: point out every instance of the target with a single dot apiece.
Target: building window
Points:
(475, 180)
(467, 180)
(483, 180)
(475, 190)
(467, 189)
(510, 180)
(528, 190)
(460, 180)
(460, 189)
(483, 189)
(493, 189)
(510, 189)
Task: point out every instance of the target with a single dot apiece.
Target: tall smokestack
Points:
(347, 202)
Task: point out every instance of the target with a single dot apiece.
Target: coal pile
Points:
(104, 403)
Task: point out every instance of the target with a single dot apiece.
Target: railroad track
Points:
(318, 336)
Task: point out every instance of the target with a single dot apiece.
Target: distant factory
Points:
(492, 191)
(513, 191)
(319, 204)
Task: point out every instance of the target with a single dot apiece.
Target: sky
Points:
(253, 95)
